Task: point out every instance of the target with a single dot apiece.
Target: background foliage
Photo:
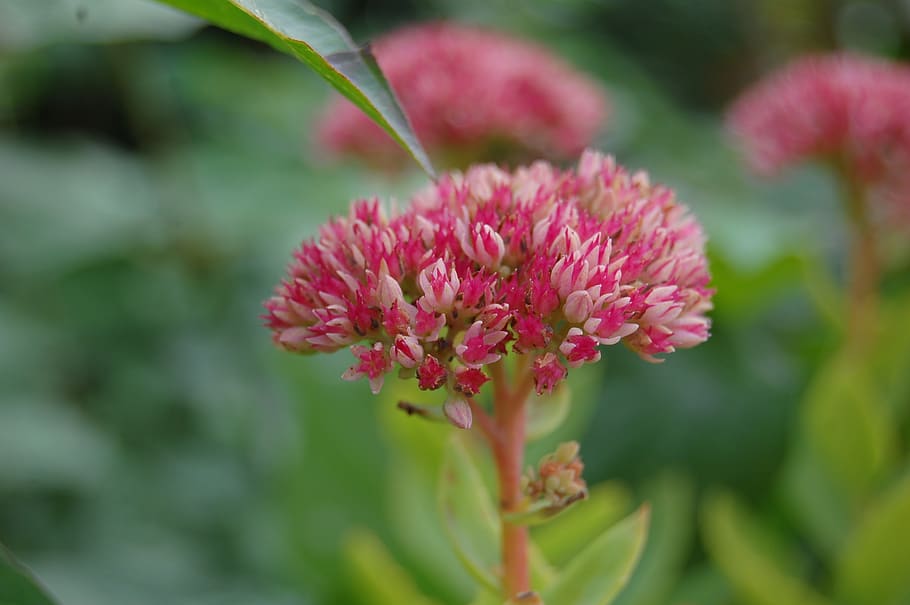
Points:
(154, 448)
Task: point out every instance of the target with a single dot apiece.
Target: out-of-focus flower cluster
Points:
(852, 109)
(540, 262)
(472, 93)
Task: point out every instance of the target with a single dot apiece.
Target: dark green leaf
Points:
(313, 36)
(17, 584)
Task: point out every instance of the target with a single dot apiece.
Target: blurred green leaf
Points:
(729, 535)
(704, 585)
(313, 36)
(597, 573)
(547, 412)
(815, 501)
(893, 356)
(873, 567)
(567, 534)
(849, 426)
(18, 586)
(376, 576)
(468, 513)
(51, 445)
(669, 540)
(25, 25)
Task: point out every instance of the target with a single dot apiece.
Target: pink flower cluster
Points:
(539, 262)
(470, 92)
(849, 108)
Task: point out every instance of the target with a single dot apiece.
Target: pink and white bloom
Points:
(583, 258)
(850, 109)
(472, 93)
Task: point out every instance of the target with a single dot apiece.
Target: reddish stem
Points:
(864, 267)
(507, 443)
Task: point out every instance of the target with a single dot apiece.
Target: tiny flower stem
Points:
(507, 443)
(864, 264)
(484, 421)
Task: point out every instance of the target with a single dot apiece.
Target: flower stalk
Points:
(508, 451)
(864, 270)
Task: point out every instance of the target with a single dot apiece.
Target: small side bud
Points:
(458, 412)
(554, 486)
(566, 452)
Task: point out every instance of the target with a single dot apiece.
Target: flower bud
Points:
(458, 412)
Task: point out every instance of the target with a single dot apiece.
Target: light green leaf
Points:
(376, 576)
(567, 534)
(670, 535)
(487, 598)
(310, 34)
(468, 514)
(413, 519)
(874, 564)
(547, 412)
(757, 577)
(18, 586)
(597, 574)
(849, 427)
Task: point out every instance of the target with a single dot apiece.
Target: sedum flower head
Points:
(472, 93)
(539, 262)
(850, 108)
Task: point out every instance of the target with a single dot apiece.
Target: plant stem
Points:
(864, 266)
(508, 452)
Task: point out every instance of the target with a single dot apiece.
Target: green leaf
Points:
(413, 519)
(18, 586)
(669, 540)
(31, 25)
(547, 412)
(310, 34)
(468, 514)
(567, 534)
(849, 427)
(730, 536)
(874, 564)
(815, 501)
(376, 576)
(702, 584)
(597, 574)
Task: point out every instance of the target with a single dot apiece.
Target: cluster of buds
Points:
(557, 481)
(852, 109)
(472, 93)
(540, 262)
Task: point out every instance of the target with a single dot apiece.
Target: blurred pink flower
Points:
(472, 94)
(848, 108)
(490, 263)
